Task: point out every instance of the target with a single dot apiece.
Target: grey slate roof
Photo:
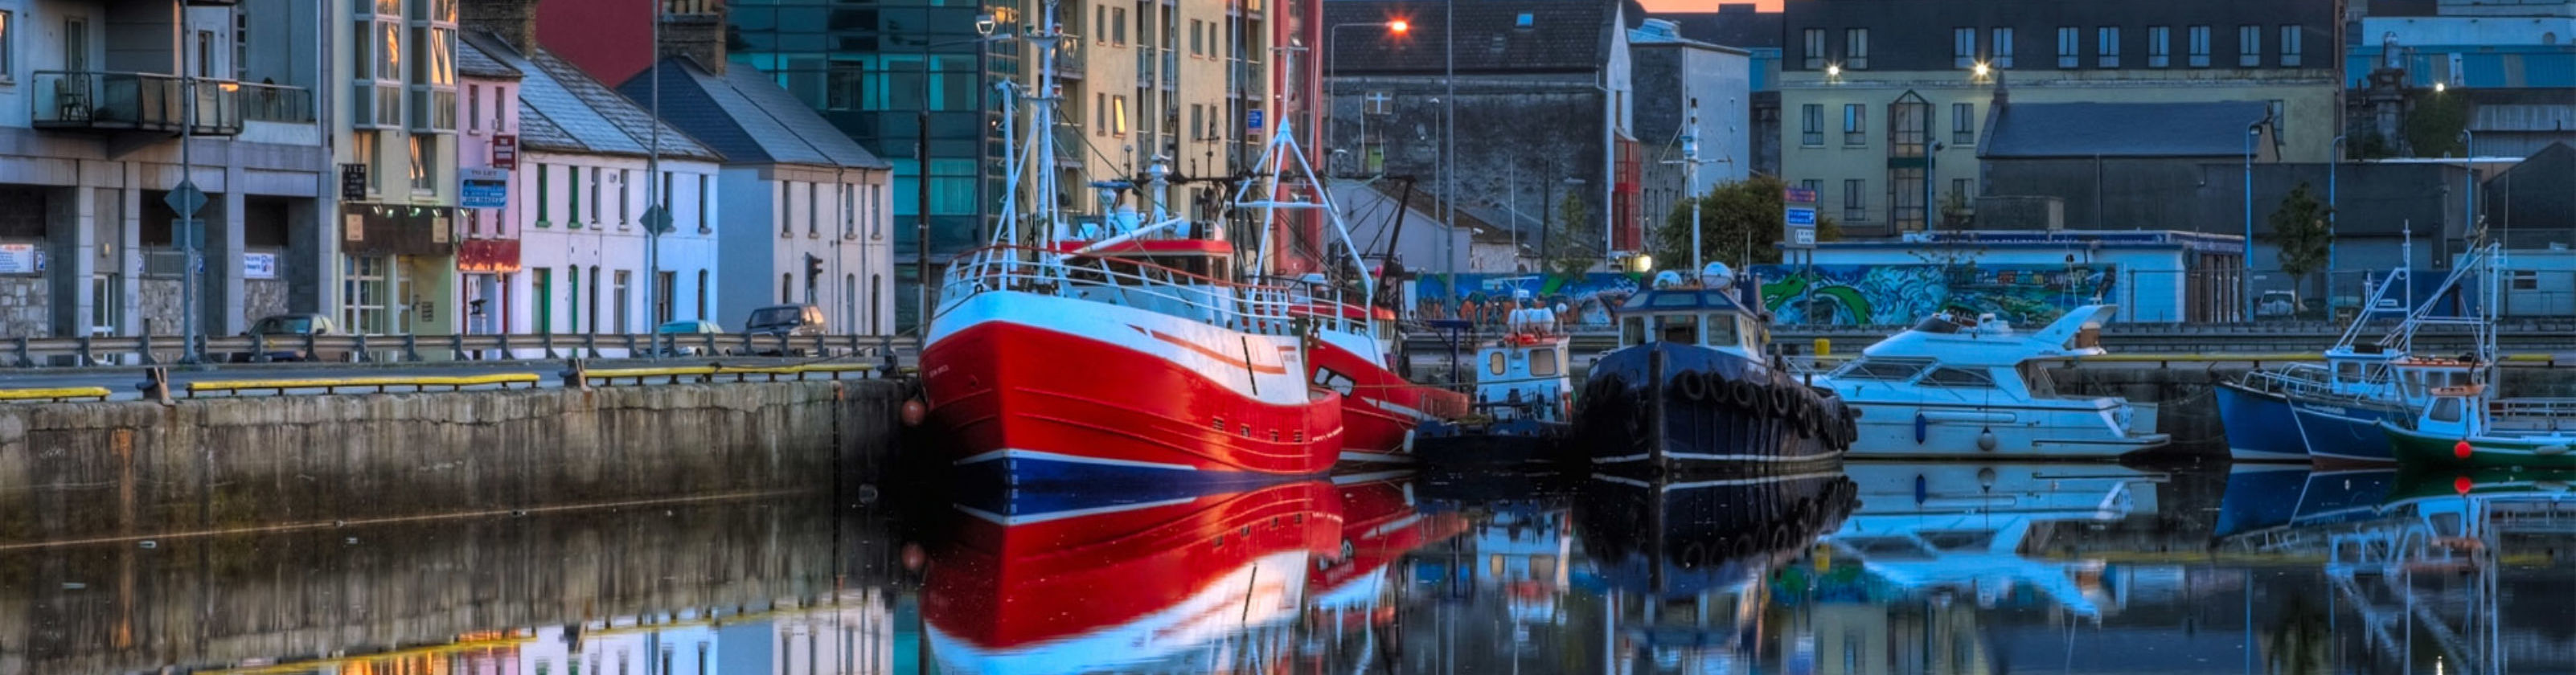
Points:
(576, 112)
(1733, 25)
(471, 62)
(1562, 36)
(748, 117)
(2206, 129)
(537, 132)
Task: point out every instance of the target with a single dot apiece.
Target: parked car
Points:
(792, 321)
(685, 338)
(285, 336)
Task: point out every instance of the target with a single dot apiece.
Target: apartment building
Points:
(1884, 101)
(95, 99)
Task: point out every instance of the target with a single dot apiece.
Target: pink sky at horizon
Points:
(1705, 5)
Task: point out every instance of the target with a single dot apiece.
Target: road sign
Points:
(1252, 119)
(1802, 215)
(657, 220)
(1798, 195)
(186, 199)
(1802, 236)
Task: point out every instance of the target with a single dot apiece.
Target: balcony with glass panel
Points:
(145, 102)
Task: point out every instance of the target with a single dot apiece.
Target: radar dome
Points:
(1716, 276)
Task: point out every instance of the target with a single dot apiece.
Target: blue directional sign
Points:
(1252, 119)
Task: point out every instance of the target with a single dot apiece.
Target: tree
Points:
(1956, 212)
(1565, 256)
(2299, 229)
(1739, 222)
(2433, 123)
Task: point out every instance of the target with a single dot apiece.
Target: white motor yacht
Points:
(1952, 386)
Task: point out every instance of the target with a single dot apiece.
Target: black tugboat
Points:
(1690, 389)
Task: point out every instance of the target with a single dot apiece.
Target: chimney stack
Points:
(695, 29)
(513, 21)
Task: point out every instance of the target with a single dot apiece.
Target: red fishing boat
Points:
(1088, 588)
(1120, 359)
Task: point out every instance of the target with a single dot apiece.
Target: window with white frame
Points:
(2106, 47)
(2000, 54)
(1963, 47)
(2159, 46)
(1856, 48)
(2069, 48)
(2199, 53)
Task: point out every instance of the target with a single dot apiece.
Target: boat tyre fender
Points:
(1743, 393)
(1693, 385)
(1800, 422)
(1780, 399)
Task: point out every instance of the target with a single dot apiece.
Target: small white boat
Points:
(1952, 386)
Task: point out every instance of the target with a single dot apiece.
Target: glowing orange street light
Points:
(1399, 26)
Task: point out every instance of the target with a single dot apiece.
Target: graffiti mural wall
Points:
(1901, 294)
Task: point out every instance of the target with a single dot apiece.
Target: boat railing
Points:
(2557, 413)
(1324, 303)
(1237, 306)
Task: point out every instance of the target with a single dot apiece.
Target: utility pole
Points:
(657, 215)
(187, 199)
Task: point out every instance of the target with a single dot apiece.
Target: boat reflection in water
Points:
(1681, 565)
(1213, 583)
(1878, 568)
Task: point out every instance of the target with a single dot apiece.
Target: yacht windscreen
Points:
(1957, 377)
(1893, 370)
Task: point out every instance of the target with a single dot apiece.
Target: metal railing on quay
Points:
(150, 350)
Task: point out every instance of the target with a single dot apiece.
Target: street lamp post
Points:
(984, 24)
(2247, 288)
(2469, 161)
(2333, 167)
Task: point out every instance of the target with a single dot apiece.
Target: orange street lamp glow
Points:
(1399, 26)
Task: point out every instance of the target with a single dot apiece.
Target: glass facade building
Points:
(869, 67)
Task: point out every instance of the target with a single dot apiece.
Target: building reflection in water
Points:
(1878, 568)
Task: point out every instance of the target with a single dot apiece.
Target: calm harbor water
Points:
(1876, 568)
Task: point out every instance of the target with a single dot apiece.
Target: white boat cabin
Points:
(1704, 317)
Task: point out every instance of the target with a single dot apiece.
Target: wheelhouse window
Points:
(1958, 377)
(2446, 409)
(1632, 331)
(1496, 363)
(1682, 328)
(1722, 331)
(1542, 363)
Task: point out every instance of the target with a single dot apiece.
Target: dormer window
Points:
(1526, 21)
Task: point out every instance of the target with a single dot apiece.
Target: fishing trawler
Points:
(1524, 396)
(1210, 385)
(2332, 412)
(1690, 388)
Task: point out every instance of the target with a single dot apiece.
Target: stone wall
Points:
(262, 297)
(160, 311)
(24, 308)
(80, 470)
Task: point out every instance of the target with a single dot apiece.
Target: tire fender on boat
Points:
(1780, 398)
(1744, 394)
(1693, 385)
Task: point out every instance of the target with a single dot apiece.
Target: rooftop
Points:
(748, 117)
(561, 109)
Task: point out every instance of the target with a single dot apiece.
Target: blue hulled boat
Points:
(1690, 389)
